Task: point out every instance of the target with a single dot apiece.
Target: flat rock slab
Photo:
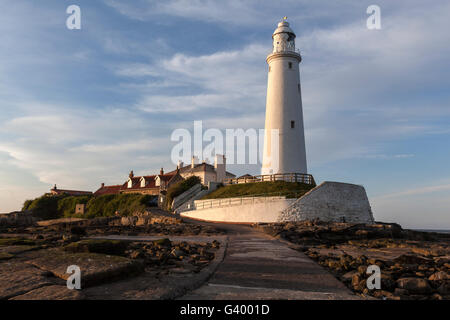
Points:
(17, 249)
(147, 286)
(200, 239)
(17, 278)
(95, 268)
(46, 223)
(53, 292)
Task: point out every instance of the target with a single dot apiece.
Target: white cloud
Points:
(418, 191)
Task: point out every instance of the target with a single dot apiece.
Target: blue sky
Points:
(81, 107)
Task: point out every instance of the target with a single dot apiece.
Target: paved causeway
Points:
(257, 266)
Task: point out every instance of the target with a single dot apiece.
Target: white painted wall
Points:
(250, 211)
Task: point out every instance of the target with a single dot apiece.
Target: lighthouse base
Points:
(333, 202)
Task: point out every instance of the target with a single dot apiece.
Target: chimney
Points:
(54, 188)
(194, 161)
(131, 175)
(220, 167)
(103, 185)
(161, 172)
(180, 164)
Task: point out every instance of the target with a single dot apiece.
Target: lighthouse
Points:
(284, 138)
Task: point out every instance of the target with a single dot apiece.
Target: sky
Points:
(82, 107)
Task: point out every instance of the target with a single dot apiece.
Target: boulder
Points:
(411, 260)
(444, 288)
(128, 221)
(177, 253)
(164, 242)
(414, 285)
(440, 275)
(401, 292)
(142, 221)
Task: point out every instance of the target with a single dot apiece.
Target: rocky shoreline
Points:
(34, 258)
(414, 265)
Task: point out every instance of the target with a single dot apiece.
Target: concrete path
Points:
(257, 266)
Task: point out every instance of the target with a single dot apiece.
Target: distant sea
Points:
(433, 230)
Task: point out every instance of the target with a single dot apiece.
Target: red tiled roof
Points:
(108, 190)
(136, 183)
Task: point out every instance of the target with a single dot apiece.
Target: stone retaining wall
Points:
(331, 201)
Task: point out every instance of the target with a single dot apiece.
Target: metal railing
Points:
(228, 202)
(279, 48)
(288, 177)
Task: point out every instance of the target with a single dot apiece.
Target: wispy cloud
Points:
(418, 191)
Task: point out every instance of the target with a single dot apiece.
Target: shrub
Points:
(44, 207)
(125, 204)
(66, 205)
(178, 189)
(53, 207)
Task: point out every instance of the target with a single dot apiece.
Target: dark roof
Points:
(70, 192)
(108, 190)
(167, 176)
(198, 168)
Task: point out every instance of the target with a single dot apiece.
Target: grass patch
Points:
(261, 189)
(6, 256)
(16, 242)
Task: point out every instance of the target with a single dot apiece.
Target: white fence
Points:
(228, 202)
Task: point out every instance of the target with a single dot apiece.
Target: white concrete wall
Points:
(252, 211)
(331, 201)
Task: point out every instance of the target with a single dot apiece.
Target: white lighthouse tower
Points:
(284, 140)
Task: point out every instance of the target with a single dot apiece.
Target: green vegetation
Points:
(125, 204)
(6, 256)
(179, 188)
(44, 207)
(53, 207)
(66, 205)
(261, 189)
(16, 242)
